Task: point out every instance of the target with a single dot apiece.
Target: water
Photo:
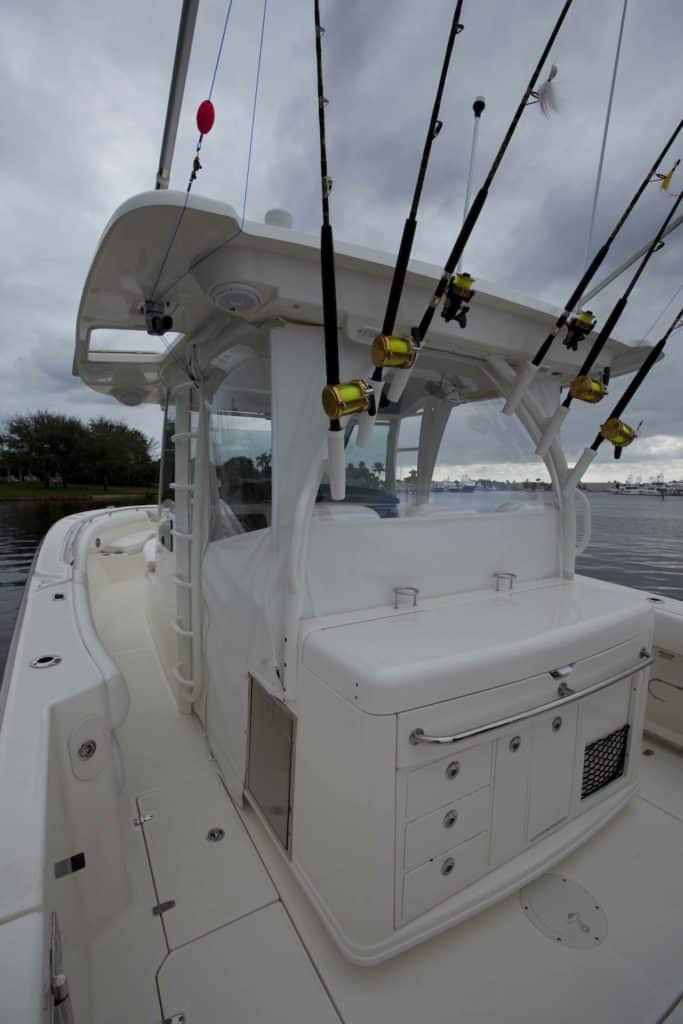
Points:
(637, 541)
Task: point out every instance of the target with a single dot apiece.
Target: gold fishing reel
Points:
(346, 399)
(588, 389)
(618, 434)
(393, 352)
(459, 294)
(578, 329)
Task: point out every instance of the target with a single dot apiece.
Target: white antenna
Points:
(478, 107)
(604, 136)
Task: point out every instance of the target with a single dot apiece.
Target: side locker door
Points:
(511, 785)
(553, 754)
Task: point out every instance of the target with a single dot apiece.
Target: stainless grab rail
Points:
(418, 736)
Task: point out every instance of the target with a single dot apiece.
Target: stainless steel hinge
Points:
(142, 820)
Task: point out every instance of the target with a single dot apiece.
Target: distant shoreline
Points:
(19, 492)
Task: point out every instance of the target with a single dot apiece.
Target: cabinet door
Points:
(511, 786)
(553, 743)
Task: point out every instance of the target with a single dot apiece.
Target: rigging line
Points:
(196, 160)
(220, 49)
(253, 112)
(221, 245)
(660, 315)
(608, 116)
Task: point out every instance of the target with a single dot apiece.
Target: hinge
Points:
(161, 908)
(175, 1018)
(142, 820)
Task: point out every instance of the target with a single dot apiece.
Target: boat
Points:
(269, 756)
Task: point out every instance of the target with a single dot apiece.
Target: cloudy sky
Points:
(85, 86)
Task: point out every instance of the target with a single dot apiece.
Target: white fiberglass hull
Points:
(161, 914)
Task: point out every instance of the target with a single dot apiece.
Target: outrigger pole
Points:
(613, 429)
(387, 350)
(582, 325)
(589, 389)
(458, 290)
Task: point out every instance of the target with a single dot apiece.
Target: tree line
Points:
(53, 447)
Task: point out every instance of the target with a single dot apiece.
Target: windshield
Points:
(445, 458)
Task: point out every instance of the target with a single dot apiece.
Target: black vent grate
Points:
(603, 761)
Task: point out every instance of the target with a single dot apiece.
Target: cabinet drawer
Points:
(438, 879)
(441, 830)
(447, 780)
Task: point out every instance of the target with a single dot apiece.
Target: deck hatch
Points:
(603, 761)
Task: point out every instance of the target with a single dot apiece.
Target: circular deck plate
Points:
(564, 912)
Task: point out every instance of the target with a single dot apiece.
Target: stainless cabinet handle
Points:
(418, 736)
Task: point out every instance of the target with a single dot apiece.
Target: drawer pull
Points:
(418, 736)
(515, 743)
(450, 819)
(448, 866)
(557, 724)
(452, 769)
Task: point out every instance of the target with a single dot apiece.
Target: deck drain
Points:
(214, 835)
(564, 912)
(46, 661)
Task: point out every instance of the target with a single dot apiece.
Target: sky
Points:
(85, 84)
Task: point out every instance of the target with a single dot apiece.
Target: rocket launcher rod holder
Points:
(614, 429)
(419, 332)
(335, 435)
(528, 371)
(366, 420)
(557, 419)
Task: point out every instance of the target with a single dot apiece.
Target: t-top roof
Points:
(204, 267)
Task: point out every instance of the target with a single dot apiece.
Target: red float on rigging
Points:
(206, 115)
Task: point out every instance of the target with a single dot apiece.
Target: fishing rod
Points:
(589, 389)
(338, 399)
(614, 429)
(388, 351)
(581, 325)
(458, 290)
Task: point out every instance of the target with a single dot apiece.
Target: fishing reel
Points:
(157, 321)
(619, 434)
(347, 399)
(590, 389)
(394, 353)
(459, 294)
(578, 329)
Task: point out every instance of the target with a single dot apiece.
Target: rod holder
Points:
(336, 468)
(575, 474)
(552, 429)
(399, 380)
(522, 381)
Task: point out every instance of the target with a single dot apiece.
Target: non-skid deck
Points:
(241, 943)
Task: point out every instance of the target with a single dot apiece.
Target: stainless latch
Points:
(142, 820)
(561, 673)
